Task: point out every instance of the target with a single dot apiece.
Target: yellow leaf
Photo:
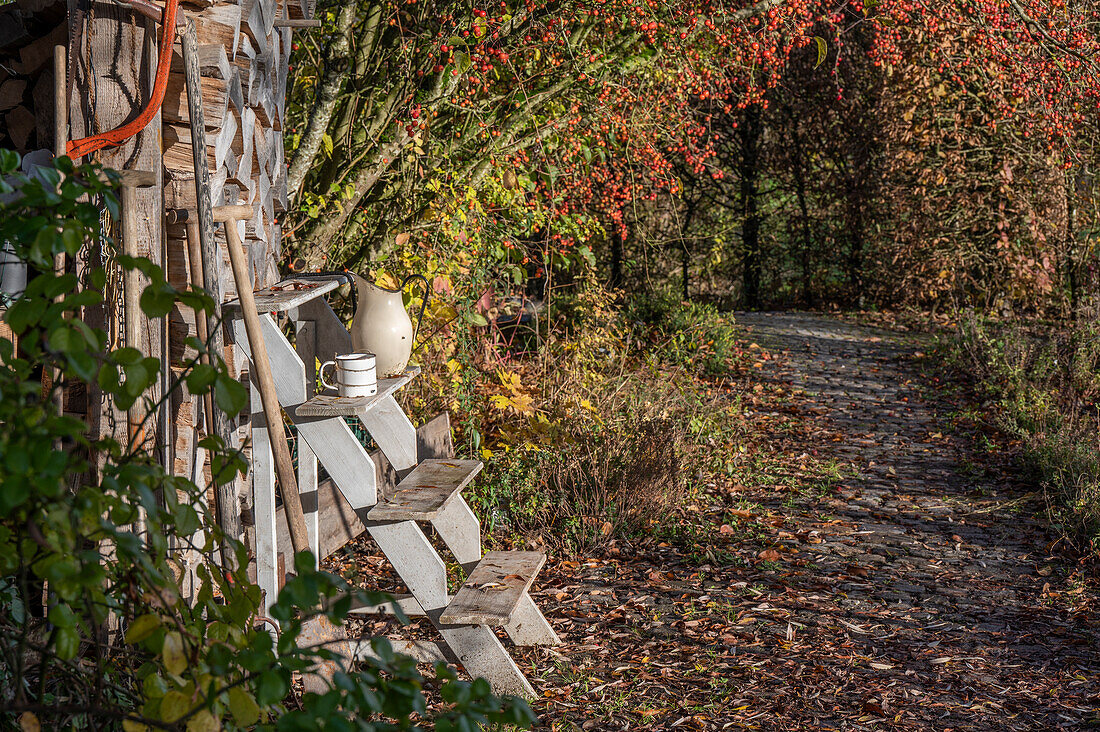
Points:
(204, 721)
(387, 280)
(174, 660)
(173, 706)
(129, 725)
(28, 722)
(142, 628)
(245, 710)
(486, 453)
(521, 403)
(500, 401)
(509, 379)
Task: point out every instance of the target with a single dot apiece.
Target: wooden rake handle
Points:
(284, 467)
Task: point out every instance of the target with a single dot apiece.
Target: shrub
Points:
(589, 488)
(683, 333)
(1045, 381)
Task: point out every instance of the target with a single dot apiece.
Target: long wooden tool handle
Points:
(194, 261)
(60, 140)
(226, 502)
(284, 467)
(131, 304)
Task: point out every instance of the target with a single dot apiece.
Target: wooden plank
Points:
(338, 522)
(415, 561)
(460, 530)
(332, 405)
(494, 589)
(327, 338)
(482, 654)
(20, 123)
(426, 491)
(178, 155)
(13, 31)
(392, 431)
(289, 294)
(422, 650)
(330, 439)
(406, 604)
(114, 62)
(34, 56)
(263, 506)
(213, 60)
(220, 25)
(528, 626)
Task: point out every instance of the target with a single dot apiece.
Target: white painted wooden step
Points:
(289, 294)
(426, 491)
(494, 589)
(333, 405)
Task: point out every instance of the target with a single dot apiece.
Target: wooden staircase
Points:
(496, 592)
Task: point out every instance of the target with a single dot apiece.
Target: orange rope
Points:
(88, 145)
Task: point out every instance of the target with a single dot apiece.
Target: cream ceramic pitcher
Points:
(383, 327)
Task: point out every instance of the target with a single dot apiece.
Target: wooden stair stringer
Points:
(330, 439)
(422, 570)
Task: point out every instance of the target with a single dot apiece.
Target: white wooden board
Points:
(491, 592)
(426, 490)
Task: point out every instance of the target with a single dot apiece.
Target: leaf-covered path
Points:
(914, 591)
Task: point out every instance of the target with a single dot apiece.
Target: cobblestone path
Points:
(959, 615)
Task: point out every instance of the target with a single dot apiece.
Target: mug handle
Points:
(321, 374)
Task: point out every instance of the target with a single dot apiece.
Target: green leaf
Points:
(203, 721)
(142, 628)
(230, 396)
(9, 161)
(173, 706)
(157, 299)
(66, 643)
(272, 687)
(476, 319)
(243, 707)
(175, 662)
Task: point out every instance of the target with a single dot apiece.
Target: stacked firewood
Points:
(29, 29)
(244, 50)
(244, 54)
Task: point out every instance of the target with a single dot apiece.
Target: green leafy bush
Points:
(96, 629)
(1045, 381)
(689, 334)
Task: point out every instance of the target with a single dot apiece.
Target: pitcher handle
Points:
(423, 304)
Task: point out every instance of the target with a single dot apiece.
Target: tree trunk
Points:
(804, 221)
(750, 207)
(616, 259)
(335, 72)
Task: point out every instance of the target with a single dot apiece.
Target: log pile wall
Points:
(244, 56)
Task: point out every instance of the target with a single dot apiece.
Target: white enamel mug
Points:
(355, 374)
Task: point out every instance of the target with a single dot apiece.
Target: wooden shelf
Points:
(289, 294)
(494, 589)
(333, 405)
(426, 490)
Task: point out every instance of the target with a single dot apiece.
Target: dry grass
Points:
(610, 485)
